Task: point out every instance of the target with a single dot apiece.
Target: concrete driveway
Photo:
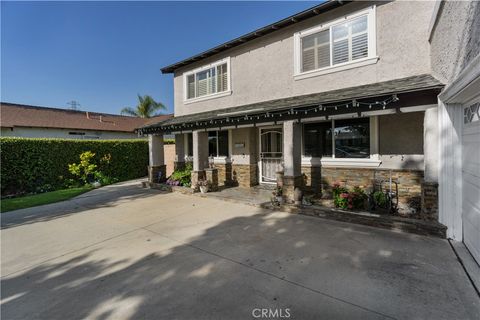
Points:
(123, 252)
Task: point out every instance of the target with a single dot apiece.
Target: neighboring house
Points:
(25, 121)
(349, 92)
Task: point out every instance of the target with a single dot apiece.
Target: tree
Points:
(146, 107)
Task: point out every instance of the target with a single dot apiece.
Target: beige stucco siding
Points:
(455, 41)
(401, 140)
(263, 69)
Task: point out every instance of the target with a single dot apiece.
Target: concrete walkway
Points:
(123, 252)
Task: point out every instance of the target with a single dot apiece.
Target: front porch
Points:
(366, 142)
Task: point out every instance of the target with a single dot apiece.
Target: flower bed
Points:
(181, 177)
(354, 199)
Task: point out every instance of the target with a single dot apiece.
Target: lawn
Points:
(42, 198)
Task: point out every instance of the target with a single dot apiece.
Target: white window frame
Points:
(372, 162)
(217, 158)
(372, 46)
(186, 100)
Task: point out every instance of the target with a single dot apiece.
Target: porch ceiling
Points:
(416, 90)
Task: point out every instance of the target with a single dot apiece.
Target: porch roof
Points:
(370, 97)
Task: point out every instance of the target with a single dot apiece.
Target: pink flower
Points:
(344, 195)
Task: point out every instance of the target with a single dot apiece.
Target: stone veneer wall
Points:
(245, 175)
(320, 180)
(224, 173)
(430, 201)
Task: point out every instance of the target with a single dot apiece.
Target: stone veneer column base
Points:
(196, 176)
(245, 175)
(178, 165)
(157, 174)
(211, 175)
(429, 201)
(224, 173)
(289, 185)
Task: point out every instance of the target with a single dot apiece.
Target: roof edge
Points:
(260, 32)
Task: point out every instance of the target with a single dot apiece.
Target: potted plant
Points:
(278, 195)
(204, 185)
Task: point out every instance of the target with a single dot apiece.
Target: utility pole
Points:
(74, 105)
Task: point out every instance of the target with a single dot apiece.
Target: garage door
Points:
(471, 178)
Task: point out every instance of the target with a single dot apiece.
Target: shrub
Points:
(181, 177)
(348, 199)
(380, 198)
(29, 164)
(85, 170)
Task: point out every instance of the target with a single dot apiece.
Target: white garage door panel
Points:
(471, 184)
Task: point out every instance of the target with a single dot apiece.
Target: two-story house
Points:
(343, 92)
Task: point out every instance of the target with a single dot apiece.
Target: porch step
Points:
(265, 186)
(421, 227)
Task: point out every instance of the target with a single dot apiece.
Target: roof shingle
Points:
(18, 115)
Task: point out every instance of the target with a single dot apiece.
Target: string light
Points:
(291, 111)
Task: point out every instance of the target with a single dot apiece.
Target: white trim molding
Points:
(208, 97)
(336, 68)
(371, 58)
(450, 127)
(341, 162)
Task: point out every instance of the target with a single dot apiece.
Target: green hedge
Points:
(28, 164)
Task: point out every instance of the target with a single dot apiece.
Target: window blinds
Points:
(349, 41)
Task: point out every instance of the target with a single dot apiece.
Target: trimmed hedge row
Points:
(29, 163)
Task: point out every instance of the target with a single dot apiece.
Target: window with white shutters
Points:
(350, 40)
(207, 81)
(316, 51)
(191, 86)
(339, 42)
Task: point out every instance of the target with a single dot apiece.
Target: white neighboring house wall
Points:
(24, 132)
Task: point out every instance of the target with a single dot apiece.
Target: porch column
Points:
(157, 169)
(200, 156)
(429, 199)
(450, 121)
(179, 151)
(292, 159)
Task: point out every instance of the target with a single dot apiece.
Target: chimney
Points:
(88, 115)
(101, 120)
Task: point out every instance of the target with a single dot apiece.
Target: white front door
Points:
(271, 144)
(471, 177)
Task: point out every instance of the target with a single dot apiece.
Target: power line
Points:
(74, 105)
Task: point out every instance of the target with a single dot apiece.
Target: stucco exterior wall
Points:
(22, 132)
(455, 38)
(249, 152)
(401, 141)
(263, 69)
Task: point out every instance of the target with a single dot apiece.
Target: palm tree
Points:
(145, 108)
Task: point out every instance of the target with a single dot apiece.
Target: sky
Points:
(102, 54)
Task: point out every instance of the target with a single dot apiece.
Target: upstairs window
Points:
(207, 81)
(336, 43)
(316, 51)
(350, 41)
